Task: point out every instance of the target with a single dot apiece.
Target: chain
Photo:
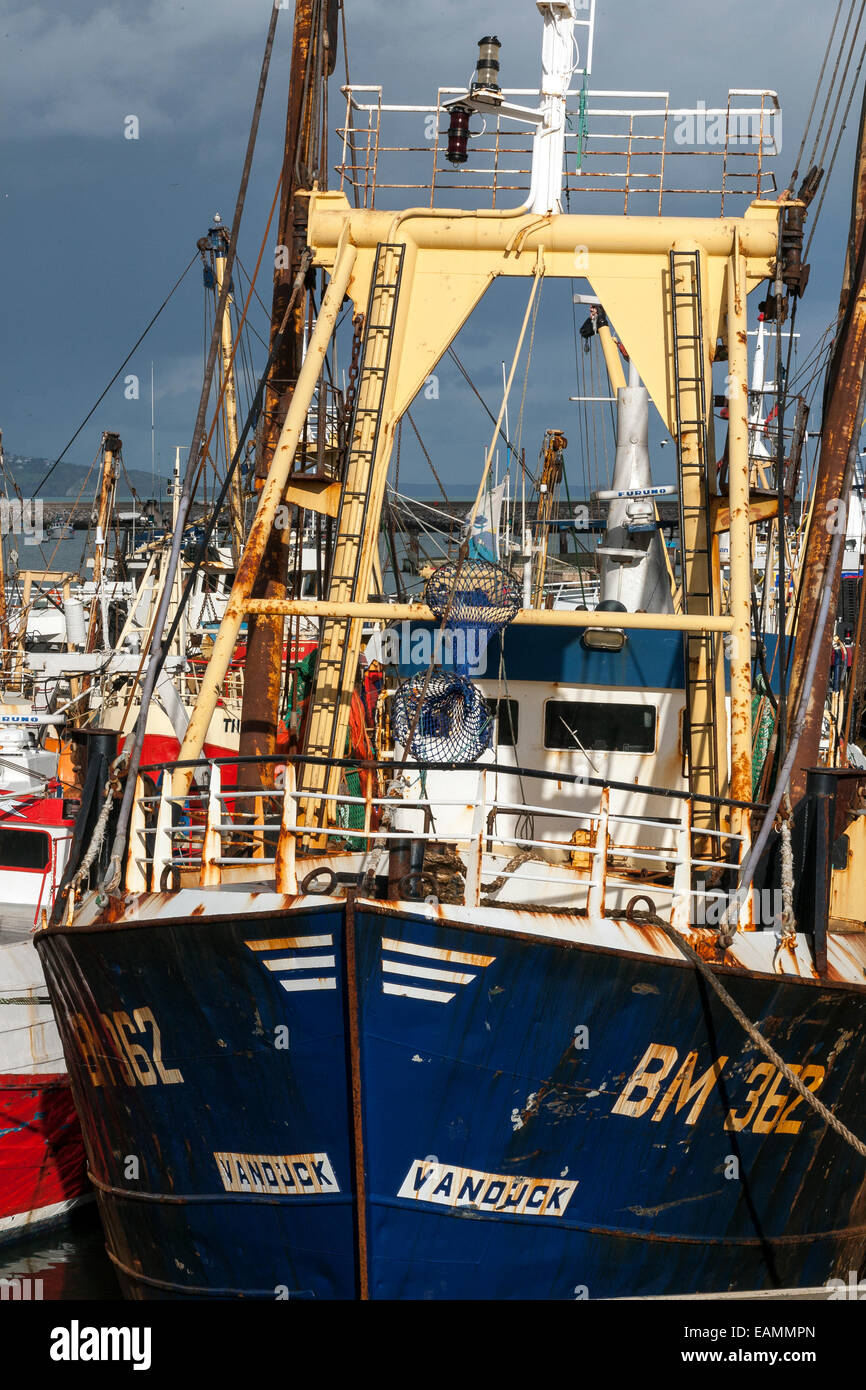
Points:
(354, 372)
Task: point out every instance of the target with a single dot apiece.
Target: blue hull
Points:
(522, 1117)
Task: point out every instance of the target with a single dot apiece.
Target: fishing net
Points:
(450, 719)
(474, 599)
(763, 724)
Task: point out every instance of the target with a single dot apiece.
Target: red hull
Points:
(42, 1162)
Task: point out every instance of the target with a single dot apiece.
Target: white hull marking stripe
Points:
(302, 963)
(436, 995)
(290, 943)
(424, 972)
(293, 985)
(408, 948)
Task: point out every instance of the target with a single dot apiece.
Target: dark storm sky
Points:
(95, 227)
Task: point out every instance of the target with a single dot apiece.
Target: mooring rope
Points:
(789, 921)
(96, 842)
(754, 1033)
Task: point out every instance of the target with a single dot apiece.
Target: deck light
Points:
(487, 69)
(458, 134)
(605, 639)
(484, 91)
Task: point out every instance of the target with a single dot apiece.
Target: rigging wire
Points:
(426, 455)
(844, 80)
(818, 85)
(474, 388)
(126, 359)
(842, 129)
(157, 646)
(832, 86)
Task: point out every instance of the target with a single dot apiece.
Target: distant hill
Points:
(67, 478)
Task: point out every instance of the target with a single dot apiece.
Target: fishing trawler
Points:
(535, 973)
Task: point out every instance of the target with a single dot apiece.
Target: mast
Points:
(219, 240)
(313, 53)
(111, 447)
(177, 580)
(821, 563)
(548, 505)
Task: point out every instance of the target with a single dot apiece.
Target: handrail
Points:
(503, 769)
(597, 865)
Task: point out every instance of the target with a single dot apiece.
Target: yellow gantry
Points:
(447, 261)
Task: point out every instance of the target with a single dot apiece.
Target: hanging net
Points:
(450, 719)
(474, 599)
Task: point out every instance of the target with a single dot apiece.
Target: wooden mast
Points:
(111, 447)
(230, 403)
(833, 485)
(311, 59)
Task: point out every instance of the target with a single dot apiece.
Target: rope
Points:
(529, 351)
(789, 923)
(464, 549)
(501, 879)
(756, 1036)
(23, 999)
(96, 842)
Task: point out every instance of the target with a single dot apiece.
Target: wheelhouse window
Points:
(599, 726)
(24, 849)
(505, 712)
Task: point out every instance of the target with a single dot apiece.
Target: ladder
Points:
(357, 537)
(704, 672)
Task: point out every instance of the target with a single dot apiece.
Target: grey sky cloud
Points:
(95, 228)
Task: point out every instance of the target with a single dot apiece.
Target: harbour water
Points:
(63, 1264)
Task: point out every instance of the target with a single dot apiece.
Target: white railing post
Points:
(286, 878)
(475, 851)
(746, 905)
(211, 870)
(136, 868)
(681, 905)
(596, 895)
(163, 845)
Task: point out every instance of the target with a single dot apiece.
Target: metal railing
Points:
(632, 148)
(594, 862)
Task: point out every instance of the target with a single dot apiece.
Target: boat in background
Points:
(43, 1168)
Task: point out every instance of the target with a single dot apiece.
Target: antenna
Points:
(152, 438)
